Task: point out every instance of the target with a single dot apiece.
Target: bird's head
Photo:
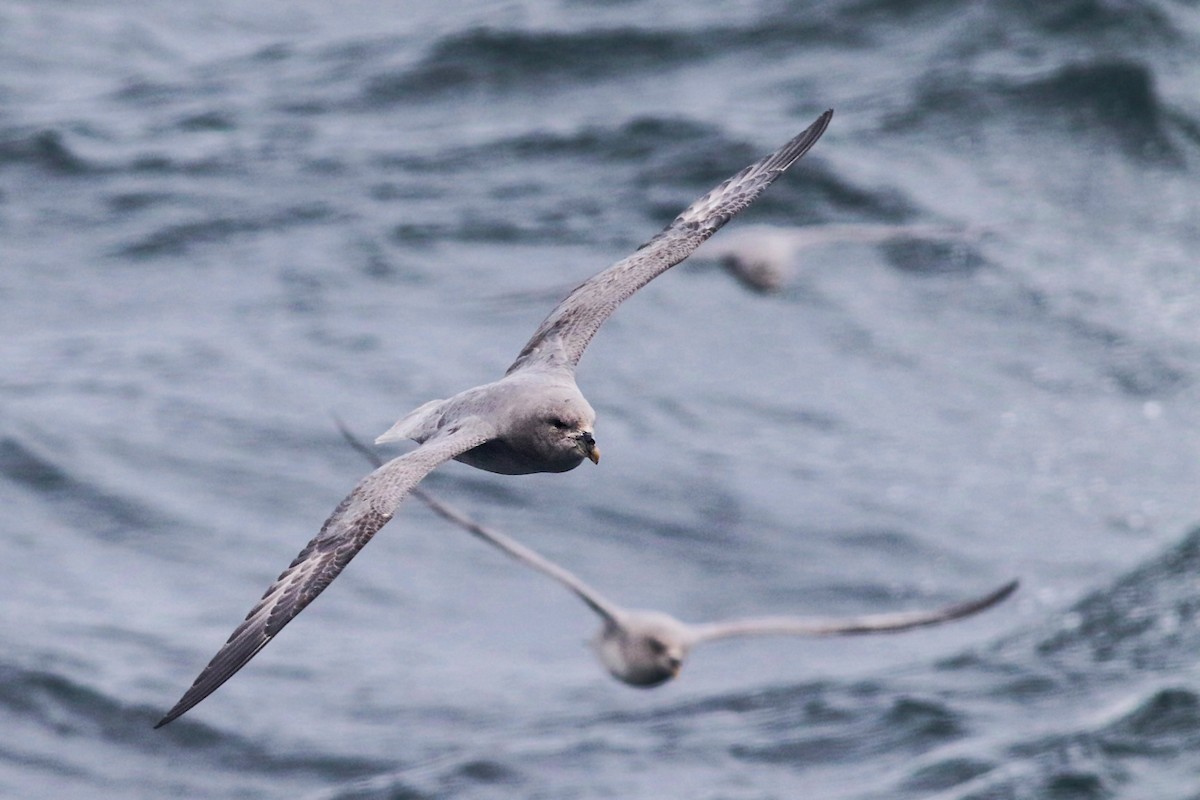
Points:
(563, 429)
(644, 649)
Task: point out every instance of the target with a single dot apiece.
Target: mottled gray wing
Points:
(874, 623)
(511, 547)
(357, 518)
(564, 335)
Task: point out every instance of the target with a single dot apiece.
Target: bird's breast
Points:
(500, 457)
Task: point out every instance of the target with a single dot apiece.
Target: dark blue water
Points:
(220, 222)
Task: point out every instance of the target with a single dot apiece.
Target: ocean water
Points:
(221, 223)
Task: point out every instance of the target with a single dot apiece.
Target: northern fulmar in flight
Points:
(534, 419)
(647, 648)
(763, 257)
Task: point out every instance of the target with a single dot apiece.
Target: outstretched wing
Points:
(511, 547)
(595, 601)
(564, 335)
(874, 623)
(357, 518)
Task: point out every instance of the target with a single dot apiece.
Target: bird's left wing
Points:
(872, 623)
(530, 558)
(506, 544)
(357, 518)
(563, 336)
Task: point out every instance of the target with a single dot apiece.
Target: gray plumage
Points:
(648, 648)
(534, 419)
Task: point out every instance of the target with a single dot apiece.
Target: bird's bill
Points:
(587, 446)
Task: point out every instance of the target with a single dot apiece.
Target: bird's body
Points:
(529, 409)
(642, 648)
(534, 419)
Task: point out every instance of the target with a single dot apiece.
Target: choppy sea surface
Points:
(221, 222)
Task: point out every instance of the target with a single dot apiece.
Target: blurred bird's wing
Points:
(847, 626)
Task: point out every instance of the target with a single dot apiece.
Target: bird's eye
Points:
(559, 423)
(657, 647)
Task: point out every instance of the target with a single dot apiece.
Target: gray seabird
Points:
(647, 648)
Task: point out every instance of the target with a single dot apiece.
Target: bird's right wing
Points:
(563, 336)
(846, 626)
(357, 518)
(509, 546)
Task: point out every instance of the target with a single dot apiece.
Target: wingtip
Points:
(823, 120)
(358, 444)
(1007, 589)
(184, 705)
(169, 717)
(794, 150)
(996, 597)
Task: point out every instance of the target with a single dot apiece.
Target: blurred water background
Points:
(220, 222)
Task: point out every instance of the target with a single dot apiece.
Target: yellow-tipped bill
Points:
(587, 446)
